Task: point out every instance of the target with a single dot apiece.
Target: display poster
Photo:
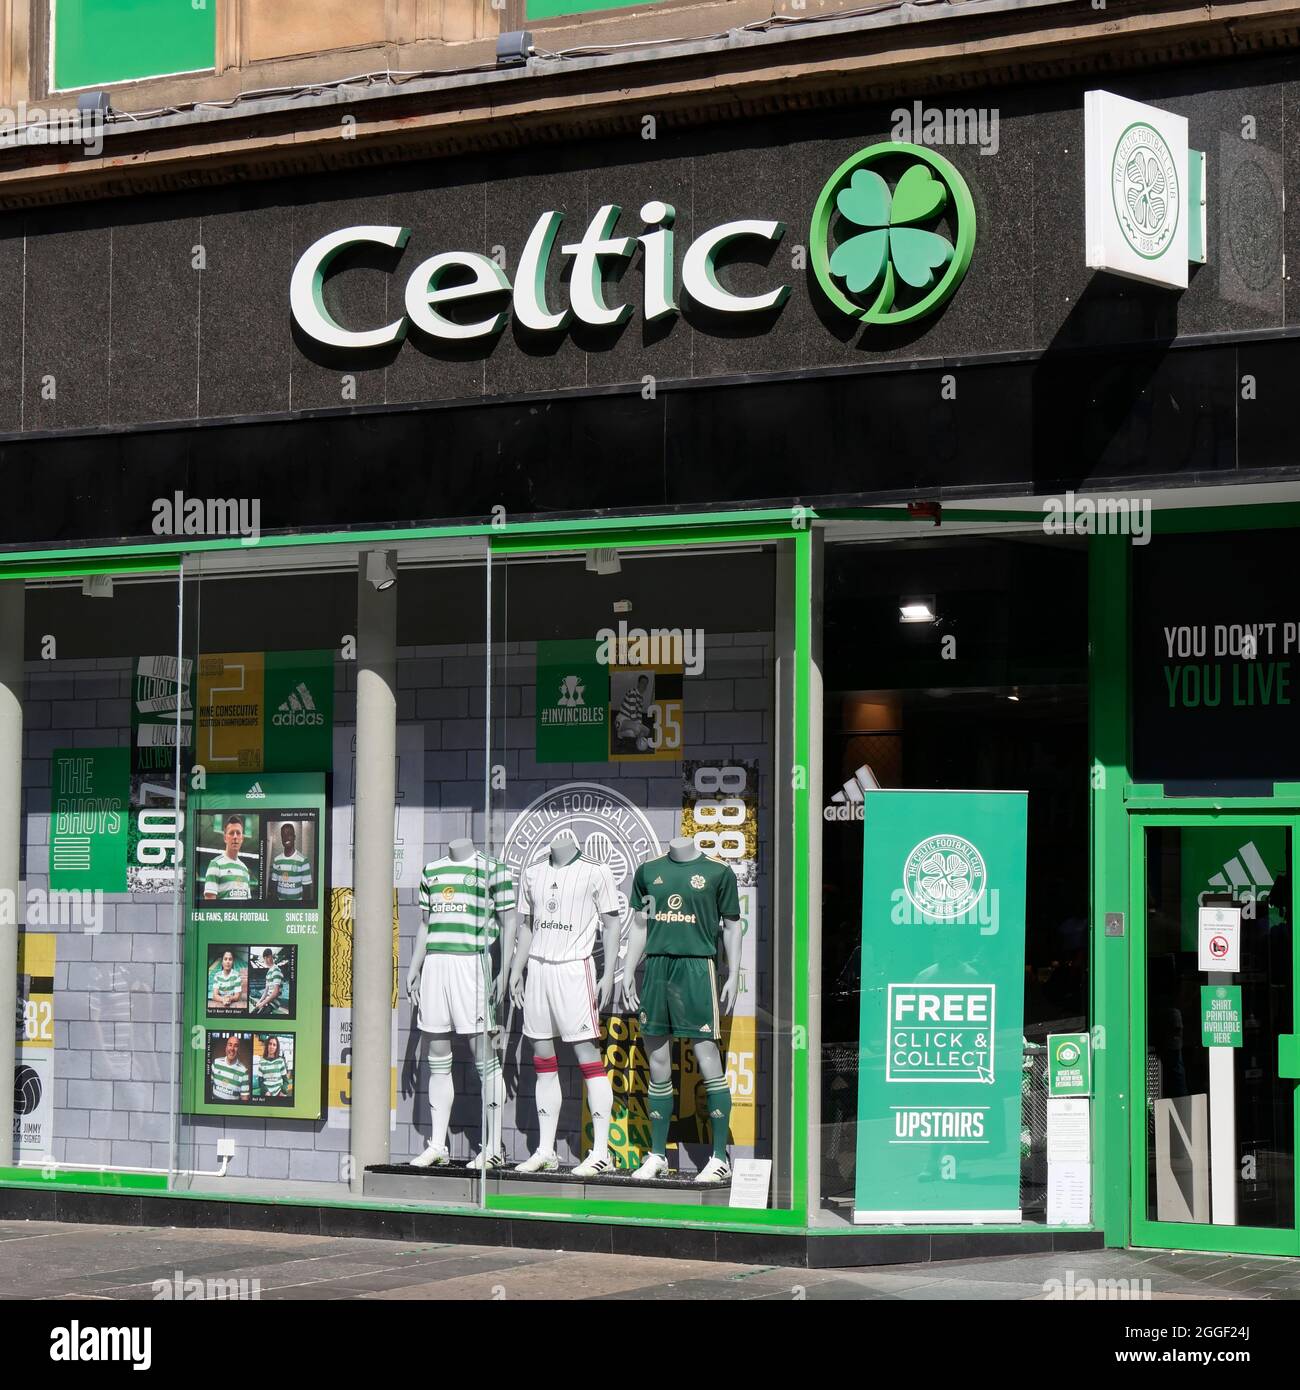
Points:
(90, 789)
(339, 1075)
(940, 1047)
(33, 1133)
(255, 945)
(1069, 1064)
(572, 703)
(265, 711)
(628, 1070)
(162, 717)
(408, 822)
(1218, 862)
(646, 712)
(1220, 1015)
(1215, 660)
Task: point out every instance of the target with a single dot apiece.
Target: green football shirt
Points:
(462, 901)
(229, 1079)
(228, 879)
(274, 1072)
(226, 983)
(685, 904)
(291, 874)
(275, 976)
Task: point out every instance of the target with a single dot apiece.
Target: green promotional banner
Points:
(89, 793)
(572, 703)
(940, 1048)
(1220, 1015)
(257, 853)
(1069, 1065)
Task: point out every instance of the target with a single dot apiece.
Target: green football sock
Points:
(661, 1111)
(719, 1094)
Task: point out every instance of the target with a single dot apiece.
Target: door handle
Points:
(1288, 1056)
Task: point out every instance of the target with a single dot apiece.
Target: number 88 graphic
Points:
(730, 781)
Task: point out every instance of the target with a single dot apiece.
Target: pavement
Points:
(53, 1260)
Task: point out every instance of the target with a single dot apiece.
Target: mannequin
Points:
(681, 902)
(562, 900)
(463, 898)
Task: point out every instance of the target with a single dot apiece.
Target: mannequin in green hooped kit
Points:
(682, 902)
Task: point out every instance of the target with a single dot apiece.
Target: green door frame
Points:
(1250, 1240)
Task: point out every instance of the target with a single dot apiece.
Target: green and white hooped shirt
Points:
(275, 976)
(462, 901)
(274, 1073)
(229, 1079)
(228, 879)
(291, 874)
(226, 982)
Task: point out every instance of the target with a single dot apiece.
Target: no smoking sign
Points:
(1219, 939)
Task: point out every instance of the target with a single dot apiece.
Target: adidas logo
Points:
(704, 1028)
(299, 710)
(255, 792)
(847, 804)
(715, 1114)
(659, 880)
(1245, 875)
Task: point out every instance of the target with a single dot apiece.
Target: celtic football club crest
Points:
(1145, 189)
(944, 877)
(605, 825)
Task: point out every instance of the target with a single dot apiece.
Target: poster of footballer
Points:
(257, 944)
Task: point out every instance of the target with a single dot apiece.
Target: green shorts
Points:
(679, 997)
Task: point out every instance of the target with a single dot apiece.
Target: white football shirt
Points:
(566, 904)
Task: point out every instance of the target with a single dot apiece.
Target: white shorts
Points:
(560, 1000)
(453, 994)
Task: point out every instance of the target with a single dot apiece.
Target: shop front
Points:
(715, 697)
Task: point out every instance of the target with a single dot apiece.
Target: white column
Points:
(372, 872)
(11, 782)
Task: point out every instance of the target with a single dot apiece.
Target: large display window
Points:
(574, 765)
(639, 709)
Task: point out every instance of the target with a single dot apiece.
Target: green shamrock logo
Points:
(895, 257)
(892, 238)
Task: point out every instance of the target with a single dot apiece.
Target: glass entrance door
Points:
(1214, 1032)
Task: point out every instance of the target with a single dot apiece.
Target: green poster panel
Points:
(1242, 860)
(101, 41)
(572, 703)
(257, 857)
(554, 9)
(298, 711)
(1220, 1015)
(940, 1047)
(1069, 1065)
(89, 793)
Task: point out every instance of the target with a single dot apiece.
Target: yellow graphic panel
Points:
(231, 695)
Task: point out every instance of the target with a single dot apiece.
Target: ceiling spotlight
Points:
(381, 569)
(97, 586)
(514, 49)
(1014, 697)
(603, 562)
(917, 610)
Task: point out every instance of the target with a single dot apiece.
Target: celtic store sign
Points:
(940, 1051)
(1145, 191)
(890, 239)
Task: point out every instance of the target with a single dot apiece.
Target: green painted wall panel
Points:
(102, 41)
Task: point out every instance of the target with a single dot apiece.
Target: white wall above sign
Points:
(1145, 200)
